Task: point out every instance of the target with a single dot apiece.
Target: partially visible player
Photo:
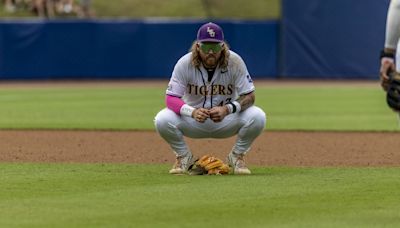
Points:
(210, 95)
(389, 53)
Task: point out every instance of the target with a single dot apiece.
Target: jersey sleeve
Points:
(178, 82)
(243, 82)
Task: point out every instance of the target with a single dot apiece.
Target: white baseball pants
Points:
(247, 124)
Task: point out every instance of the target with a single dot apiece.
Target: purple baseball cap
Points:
(210, 32)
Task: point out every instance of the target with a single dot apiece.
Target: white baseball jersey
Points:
(192, 85)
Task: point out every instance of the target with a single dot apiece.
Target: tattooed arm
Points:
(218, 113)
(246, 100)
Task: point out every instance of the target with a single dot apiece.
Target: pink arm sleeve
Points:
(174, 103)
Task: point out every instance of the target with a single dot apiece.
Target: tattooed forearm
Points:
(246, 101)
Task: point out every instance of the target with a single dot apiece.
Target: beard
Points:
(210, 61)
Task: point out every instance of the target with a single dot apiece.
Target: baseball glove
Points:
(208, 165)
(393, 92)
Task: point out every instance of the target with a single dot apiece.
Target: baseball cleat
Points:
(182, 164)
(236, 162)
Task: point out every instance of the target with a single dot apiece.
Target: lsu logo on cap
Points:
(211, 32)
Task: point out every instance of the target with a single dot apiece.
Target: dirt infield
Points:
(270, 149)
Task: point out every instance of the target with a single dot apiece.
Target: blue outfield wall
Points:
(337, 39)
(99, 49)
(332, 38)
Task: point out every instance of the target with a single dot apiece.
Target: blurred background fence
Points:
(337, 39)
(121, 49)
(332, 38)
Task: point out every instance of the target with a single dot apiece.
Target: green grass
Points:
(80, 108)
(123, 195)
(242, 9)
(138, 195)
(326, 108)
(288, 108)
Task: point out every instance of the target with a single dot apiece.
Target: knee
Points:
(259, 119)
(160, 121)
(164, 120)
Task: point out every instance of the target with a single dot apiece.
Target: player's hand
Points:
(217, 114)
(387, 65)
(200, 114)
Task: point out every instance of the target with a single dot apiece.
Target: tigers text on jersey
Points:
(192, 85)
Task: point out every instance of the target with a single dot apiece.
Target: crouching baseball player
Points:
(210, 95)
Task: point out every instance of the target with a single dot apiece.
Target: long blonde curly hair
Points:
(223, 60)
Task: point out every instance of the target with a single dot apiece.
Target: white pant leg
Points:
(166, 123)
(247, 125)
(253, 122)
